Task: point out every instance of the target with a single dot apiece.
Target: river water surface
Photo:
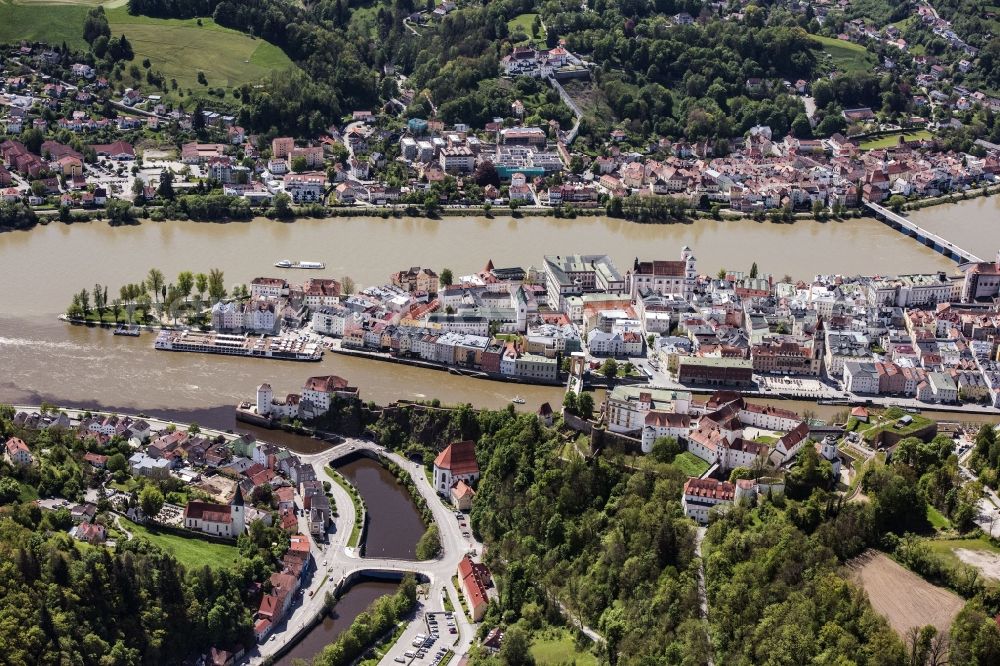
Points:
(357, 598)
(394, 524)
(42, 358)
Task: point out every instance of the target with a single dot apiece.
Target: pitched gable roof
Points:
(458, 458)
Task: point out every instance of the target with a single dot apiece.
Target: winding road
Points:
(335, 562)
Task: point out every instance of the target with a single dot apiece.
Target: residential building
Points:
(861, 377)
(700, 496)
(475, 581)
(730, 372)
(575, 275)
(16, 452)
(628, 406)
(308, 187)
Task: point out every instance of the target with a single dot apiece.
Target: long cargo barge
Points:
(282, 349)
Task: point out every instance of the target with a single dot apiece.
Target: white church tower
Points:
(690, 271)
(237, 511)
(828, 450)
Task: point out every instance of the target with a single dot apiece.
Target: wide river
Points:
(42, 358)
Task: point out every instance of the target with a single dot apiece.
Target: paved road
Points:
(341, 561)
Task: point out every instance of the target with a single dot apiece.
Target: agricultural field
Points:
(903, 597)
(846, 56)
(178, 48)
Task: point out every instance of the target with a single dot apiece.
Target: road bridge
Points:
(928, 238)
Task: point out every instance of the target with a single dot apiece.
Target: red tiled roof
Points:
(268, 606)
(458, 458)
(208, 512)
(474, 576)
(721, 490)
(325, 384)
(667, 419)
(462, 489)
(14, 445)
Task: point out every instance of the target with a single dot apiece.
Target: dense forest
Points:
(610, 543)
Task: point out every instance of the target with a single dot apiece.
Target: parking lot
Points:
(425, 642)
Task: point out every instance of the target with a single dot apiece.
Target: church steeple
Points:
(238, 513)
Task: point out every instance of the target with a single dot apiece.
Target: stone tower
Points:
(264, 397)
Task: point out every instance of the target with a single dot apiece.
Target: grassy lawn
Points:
(359, 513)
(523, 23)
(557, 647)
(891, 140)
(766, 439)
(886, 420)
(191, 551)
(937, 519)
(690, 464)
(28, 493)
(461, 597)
(847, 56)
(946, 548)
(948, 545)
(178, 48)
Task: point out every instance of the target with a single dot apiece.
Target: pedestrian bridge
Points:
(928, 238)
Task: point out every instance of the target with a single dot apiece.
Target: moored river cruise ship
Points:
(285, 349)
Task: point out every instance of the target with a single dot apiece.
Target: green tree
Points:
(9, 490)
(446, 277)
(282, 206)
(665, 449)
(299, 164)
(216, 284)
(201, 285)
(609, 368)
(165, 189)
(117, 463)
(753, 270)
(429, 544)
(150, 501)
(570, 402)
(185, 283)
(154, 282)
(347, 285)
(585, 405)
(516, 648)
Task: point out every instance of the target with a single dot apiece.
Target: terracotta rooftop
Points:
(458, 458)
